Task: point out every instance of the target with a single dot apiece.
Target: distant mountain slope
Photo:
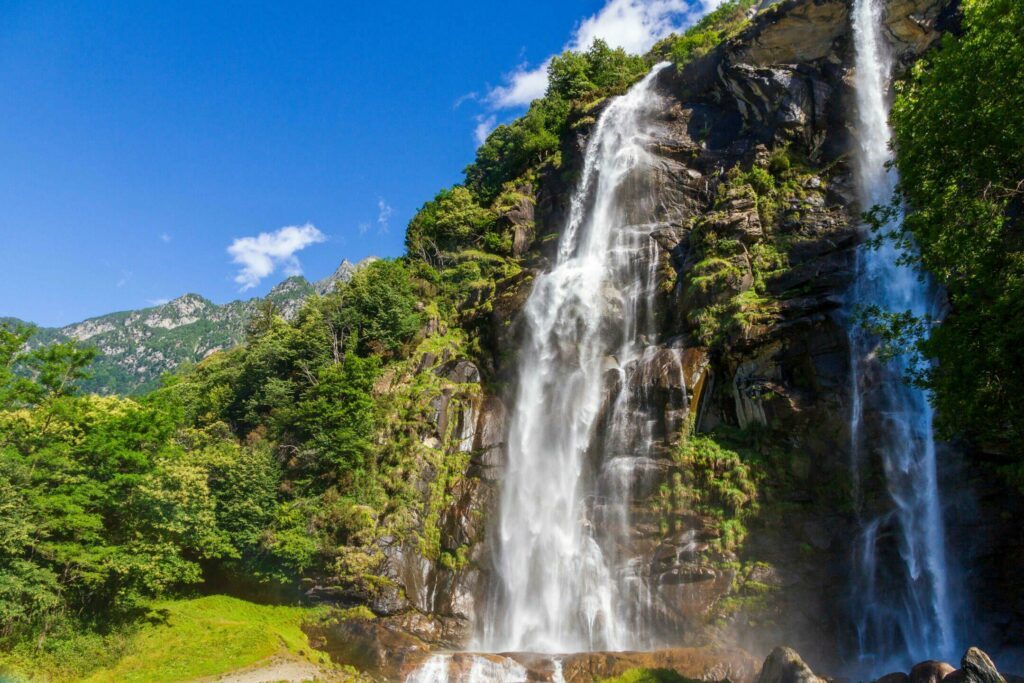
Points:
(137, 347)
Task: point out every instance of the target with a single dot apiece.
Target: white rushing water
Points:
(469, 668)
(562, 585)
(902, 602)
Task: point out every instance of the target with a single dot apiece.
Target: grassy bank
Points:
(182, 640)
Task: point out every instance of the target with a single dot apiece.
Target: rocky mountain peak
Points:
(137, 347)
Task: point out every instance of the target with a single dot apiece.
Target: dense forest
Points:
(278, 466)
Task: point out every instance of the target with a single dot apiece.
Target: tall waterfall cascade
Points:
(562, 584)
(902, 597)
(582, 429)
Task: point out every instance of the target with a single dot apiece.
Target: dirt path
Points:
(277, 668)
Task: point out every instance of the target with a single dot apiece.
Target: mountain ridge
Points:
(137, 346)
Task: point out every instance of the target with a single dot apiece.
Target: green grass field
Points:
(185, 640)
(649, 676)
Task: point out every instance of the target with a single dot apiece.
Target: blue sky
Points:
(140, 141)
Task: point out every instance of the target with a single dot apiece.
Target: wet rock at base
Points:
(976, 667)
(894, 677)
(784, 665)
(368, 645)
(699, 663)
(930, 671)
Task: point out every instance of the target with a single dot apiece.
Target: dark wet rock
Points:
(894, 677)
(459, 371)
(930, 671)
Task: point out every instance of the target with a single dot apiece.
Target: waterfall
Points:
(471, 668)
(579, 430)
(902, 601)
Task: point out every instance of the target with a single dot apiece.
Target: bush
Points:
(449, 222)
(715, 27)
(378, 306)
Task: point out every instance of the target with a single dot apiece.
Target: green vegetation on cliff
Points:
(576, 81)
(713, 28)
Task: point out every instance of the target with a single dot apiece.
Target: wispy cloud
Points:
(634, 25)
(384, 212)
(126, 276)
(164, 237)
(484, 126)
(261, 255)
(462, 99)
(158, 301)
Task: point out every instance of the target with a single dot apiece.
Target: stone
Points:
(894, 677)
(368, 645)
(460, 371)
(519, 218)
(913, 24)
(784, 665)
(930, 671)
(978, 668)
(698, 663)
(795, 32)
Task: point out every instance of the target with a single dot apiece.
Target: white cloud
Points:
(164, 237)
(484, 126)
(126, 275)
(522, 86)
(462, 99)
(261, 255)
(634, 25)
(364, 228)
(157, 302)
(384, 212)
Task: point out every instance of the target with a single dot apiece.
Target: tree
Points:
(959, 143)
(450, 221)
(379, 307)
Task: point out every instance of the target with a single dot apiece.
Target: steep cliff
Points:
(743, 522)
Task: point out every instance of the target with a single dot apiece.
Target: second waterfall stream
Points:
(902, 593)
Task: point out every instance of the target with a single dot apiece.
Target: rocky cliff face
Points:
(757, 235)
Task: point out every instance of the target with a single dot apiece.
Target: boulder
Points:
(977, 667)
(699, 663)
(784, 665)
(460, 371)
(930, 671)
(894, 677)
(369, 645)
